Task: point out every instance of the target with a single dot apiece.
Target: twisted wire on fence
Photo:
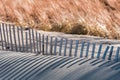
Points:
(16, 38)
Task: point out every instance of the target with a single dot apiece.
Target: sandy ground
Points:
(27, 66)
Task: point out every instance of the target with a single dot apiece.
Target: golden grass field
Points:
(88, 17)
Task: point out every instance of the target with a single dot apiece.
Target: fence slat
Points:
(3, 27)
(55, 46)
(51, 46)
(6, 26)
(30, 41)
(22, 39)
(33, 38)
(70, 50)
(18, 34)
(87, 50)
(43, 44)
(11, 41)
(65, 48)
(60, 49)
(76, 48)
(99, 51)
(1, 37)
(40, 42)
(117, 54)
(82, 47)
(26, 41)
(105, 53)
(46, 44)
(37, 41)
(93, 50)
(111, 52)
(14, 33)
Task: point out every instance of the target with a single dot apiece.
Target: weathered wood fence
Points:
(20, 39)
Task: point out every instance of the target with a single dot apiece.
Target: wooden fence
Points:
(20, 39)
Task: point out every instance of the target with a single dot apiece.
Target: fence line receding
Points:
(20, 39)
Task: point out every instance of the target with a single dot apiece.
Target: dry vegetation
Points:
(91, 17)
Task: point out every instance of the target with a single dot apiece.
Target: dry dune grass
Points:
(91, 17)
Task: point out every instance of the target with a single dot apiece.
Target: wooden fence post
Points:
(26, 41)
(70, 50)
(87, 50)
(117, 57)
(37, 41)
(43, 44)
(11, 41)
(3, 27)
(60, 49)
(8, 46)
(22, 39)
(14, 33)
(46, 45)
(99, 51)
(76, 48)
(65, 48)
(55, 46)
(40, 42)
(33, 38)
(105, 53)
(18, 34)
(30, 41)
(82, 48)
(93, 50)
(1, 37)
(111, 51)
(51, 46)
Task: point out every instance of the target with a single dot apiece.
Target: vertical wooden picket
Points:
(22, 39)
(93, 50)
(43, 44)
(117, 57)
(105, 53)
(82, 48)
(55, 46)
(30, 41)
(60, 49)
(18, 34)
(51, 45)
(70, 50)
(76, 48)
(65, 48)
(40, 42)
(111, 52)
(11, 41)
(37, 41)
(26, 41)
(1, 35)
(87, 49)
(46, 45)
(99, 51)
(5, 43)
(33, 38)
(6, 29)
(14, 33)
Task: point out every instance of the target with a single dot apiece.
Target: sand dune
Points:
(100, 17)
